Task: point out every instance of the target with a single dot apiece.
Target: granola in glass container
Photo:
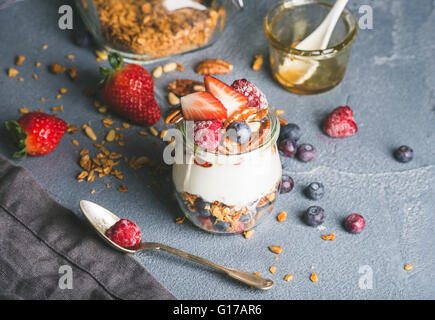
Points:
(152, 29)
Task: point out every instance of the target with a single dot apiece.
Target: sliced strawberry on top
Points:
(232, 100)
(202, 106)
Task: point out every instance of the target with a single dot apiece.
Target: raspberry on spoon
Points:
(124, 233)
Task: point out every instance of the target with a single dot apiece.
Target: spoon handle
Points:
(245, 277)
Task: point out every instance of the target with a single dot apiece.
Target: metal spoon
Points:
(102, 219)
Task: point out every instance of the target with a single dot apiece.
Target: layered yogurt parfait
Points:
(229, 178)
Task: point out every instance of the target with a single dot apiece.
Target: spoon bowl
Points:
(102, 219)
(298, 71)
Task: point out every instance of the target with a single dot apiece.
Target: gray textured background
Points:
(391, 81)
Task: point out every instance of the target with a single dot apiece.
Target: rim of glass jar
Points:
(330, 51)
(271, 138)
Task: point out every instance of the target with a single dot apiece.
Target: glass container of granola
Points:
(235, 188)
(302, 71)
(148, 30)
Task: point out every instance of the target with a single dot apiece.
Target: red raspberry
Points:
(207, 134)
(124, 233)
(340, 123)
(256, 98)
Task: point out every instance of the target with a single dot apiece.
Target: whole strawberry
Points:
(36, 133)
(129, 91)
(340, 123)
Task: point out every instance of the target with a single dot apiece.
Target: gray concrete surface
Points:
(391, 83)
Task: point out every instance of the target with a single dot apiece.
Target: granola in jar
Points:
(152, 29)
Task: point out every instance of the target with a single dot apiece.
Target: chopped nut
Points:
(180, 67)
(257, 274)
(126, 125)
(282, 121)
(59, 108)
(163, 134)
(288, 277)
(85, 162)
(37, 64)
(329, 237)
(199, 88)
(56, 68)
(12, 72)
(45, 46)
(216, 66)
(272, 269)
(42, 99)
(101, 55)
(107, 122)
(24, 110)
(21, 79)
(19, 60)
(183, 87)
(90, 133)
(70, 57)
(174, 116)
(153, 131)
(276, 249)
(122, 189)
(72, 129)
(169, 67)
(102, 110)
(279, 111)
(258, 62)
(72, 72)
(63, 90)
(75, 142)
(313, 277)
(282, 216)
(157, 73)
(143, 133)
(248, 233)
(58, 97)
(408, 267)
(179, 220)
(173, 99)
(110, 136)
(82, 175)
(92, 191)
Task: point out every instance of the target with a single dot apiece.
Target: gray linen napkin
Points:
(42, 242)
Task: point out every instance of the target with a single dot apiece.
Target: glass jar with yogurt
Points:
(228, 193)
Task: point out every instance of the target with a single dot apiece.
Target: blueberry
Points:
(404, 154)
(219, 225)
(202, 207)
(287, 184)
(239, 132)
(288, 148)
(354, 223)
(306, 152)
(290, 131)
(315, 191)
(314, 216)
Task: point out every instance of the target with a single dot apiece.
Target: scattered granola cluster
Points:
(150, 29)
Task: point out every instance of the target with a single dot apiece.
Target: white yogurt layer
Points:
(231, 184)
